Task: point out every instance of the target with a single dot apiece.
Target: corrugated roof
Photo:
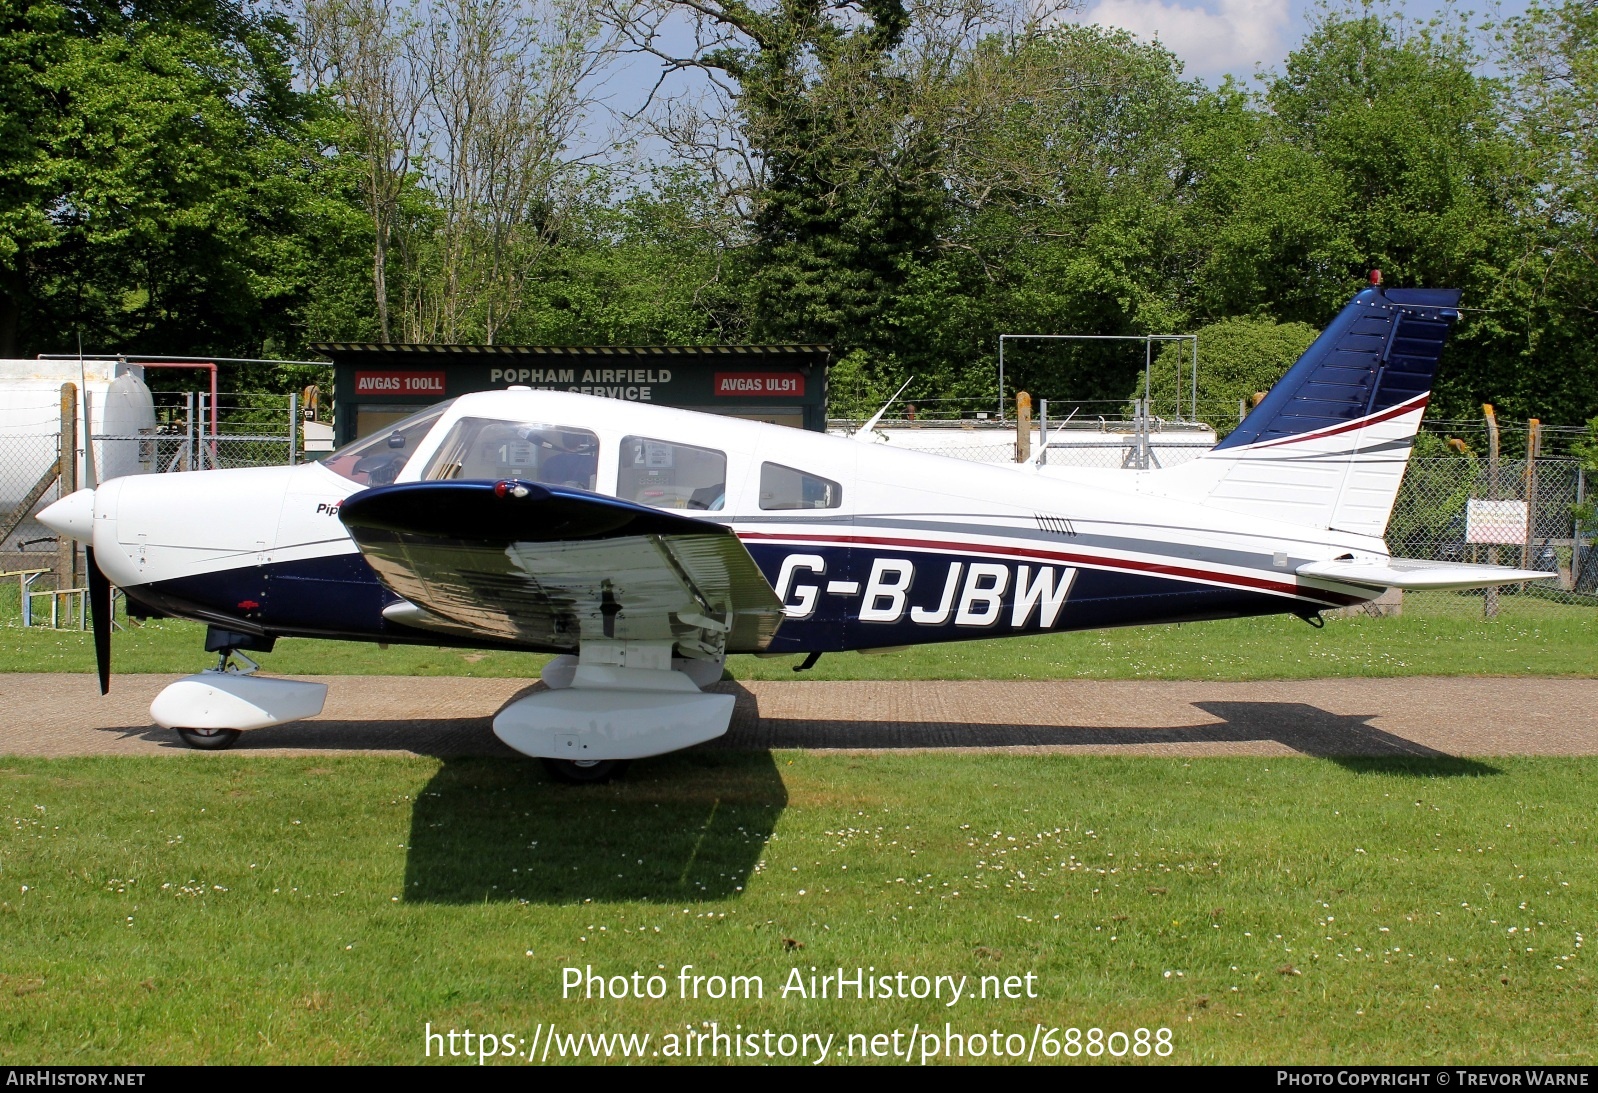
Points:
(335, 349)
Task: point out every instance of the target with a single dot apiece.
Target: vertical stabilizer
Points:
(1327, 447)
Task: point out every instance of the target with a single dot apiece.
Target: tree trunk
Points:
(380, 283)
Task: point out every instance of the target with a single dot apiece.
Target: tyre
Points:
(209, 739)
(585, 771)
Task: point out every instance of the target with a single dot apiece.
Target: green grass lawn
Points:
(1438, 634)
(209, 908)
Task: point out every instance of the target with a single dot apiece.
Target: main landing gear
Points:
(613, 702)
(585, 772)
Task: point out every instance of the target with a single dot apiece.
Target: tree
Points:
(161, 172)
(1237, 358)
(469, 106)
(1065, 203)
(365, 53)
(649, 266)
(829, 123)
(1549, 370)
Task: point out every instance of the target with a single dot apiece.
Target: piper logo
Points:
(973, 594)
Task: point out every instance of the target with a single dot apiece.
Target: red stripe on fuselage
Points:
(1162, 568)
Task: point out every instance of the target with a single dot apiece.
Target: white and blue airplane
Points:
(642, 544)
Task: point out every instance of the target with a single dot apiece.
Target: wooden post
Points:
(66, 566)
(1023, 427)
(1489, 604)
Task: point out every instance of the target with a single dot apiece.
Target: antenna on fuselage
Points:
(865, 430)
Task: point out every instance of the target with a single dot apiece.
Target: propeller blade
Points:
(100, 619)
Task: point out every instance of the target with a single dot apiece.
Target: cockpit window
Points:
(786, 488)
(671, 476)
(491, 448)
(377, 460)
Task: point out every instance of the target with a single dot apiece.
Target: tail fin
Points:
(1328, 445)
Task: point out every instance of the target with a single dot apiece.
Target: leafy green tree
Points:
(1549, 366)
(835, 120)
(638, 268)
(166, 195)
(1384, 147)
(1064, 217)
(1237, 359)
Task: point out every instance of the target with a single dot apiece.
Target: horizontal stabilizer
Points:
(1417, 573)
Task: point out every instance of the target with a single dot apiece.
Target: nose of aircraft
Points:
(72, 516)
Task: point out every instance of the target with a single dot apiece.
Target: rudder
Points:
(1327, 447)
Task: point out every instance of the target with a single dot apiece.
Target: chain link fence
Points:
(240, 430)
(1107, 443)
(1456, 509)
(24, 459)
(190, 435)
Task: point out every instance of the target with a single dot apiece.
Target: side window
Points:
(671, 476)
(786, 488)
(486, 448)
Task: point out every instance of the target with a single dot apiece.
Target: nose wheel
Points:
(209, 739)
(585, 771)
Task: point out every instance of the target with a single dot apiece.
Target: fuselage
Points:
(866, 546)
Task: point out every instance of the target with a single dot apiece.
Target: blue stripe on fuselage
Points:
(840, 596)
(859, 596)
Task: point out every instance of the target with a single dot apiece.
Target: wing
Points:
(1417, 573)
(552, 566)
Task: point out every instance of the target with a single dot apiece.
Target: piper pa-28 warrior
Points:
(643, 544)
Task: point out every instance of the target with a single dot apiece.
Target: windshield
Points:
(378, 459)
(490, 448)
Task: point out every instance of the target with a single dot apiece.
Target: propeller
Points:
(99, 587)
(100, 619)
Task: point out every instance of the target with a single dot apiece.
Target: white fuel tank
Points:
(121, 410)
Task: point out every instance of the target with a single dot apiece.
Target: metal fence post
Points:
(294, 427)
(1043, 432)
(1489, 604)
(1533, 450)
(1575, 530)
(188, 431)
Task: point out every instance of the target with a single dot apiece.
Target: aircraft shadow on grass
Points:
(1346, 739)
(692, 826)
(683, 828)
